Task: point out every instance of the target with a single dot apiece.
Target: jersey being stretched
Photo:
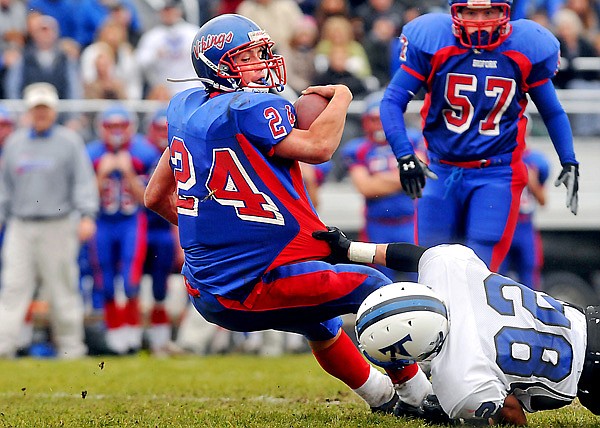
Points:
(476, 98)
(504, 338)
(241, 210)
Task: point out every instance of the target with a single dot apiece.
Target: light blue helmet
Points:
(219, 40)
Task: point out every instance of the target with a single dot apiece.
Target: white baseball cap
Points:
(40, 93)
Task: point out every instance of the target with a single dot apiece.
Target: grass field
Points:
(192, 391)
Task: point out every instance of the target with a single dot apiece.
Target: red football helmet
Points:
(158, 131)
(486, 33)
(116, 126)
(371, 120)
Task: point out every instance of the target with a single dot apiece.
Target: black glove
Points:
(412, 175)
(569, 176)
(338, 242)
(433, 412)
(430, 410)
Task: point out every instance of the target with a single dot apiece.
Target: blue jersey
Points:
(476, 98)
(539, 162)
(155, 221)
(116, 200)
(242, 211)
(377, 158)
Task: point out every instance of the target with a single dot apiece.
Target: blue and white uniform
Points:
(504, 338)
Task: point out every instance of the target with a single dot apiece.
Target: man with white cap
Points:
(48, 201)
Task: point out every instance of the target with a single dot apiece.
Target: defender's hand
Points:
(412, 175)
(338, 242)
(569, 176)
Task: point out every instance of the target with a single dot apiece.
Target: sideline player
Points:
(232, 182)
(122, 160)
(477, 69)
(525, 256)
(372, 166)
(161, 250)
(508, 347)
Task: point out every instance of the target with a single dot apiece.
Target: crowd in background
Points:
(101, 49)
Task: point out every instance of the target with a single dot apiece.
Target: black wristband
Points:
(403, 256)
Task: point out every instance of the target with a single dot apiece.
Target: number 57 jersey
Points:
(504, 338)
(476, 98)
(241, 210)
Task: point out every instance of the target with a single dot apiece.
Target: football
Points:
(308, 108)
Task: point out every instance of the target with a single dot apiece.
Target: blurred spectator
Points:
(162, 248)
(49, 200)
(13, 30)
(7, 126)
(113, 35)
(573, 45)
(227, 6)
(372, 10)
(92, 13)
(329, 8)
(337, 73)
(64, 11)
(378, 44)
(44, 60)
(588, 14)
(121, 14)
(276, 17)
(122, 160)
(164, 51)
(526, 257)
(12, 23)
(528, 8)
(338, 32)
(300, 58)
(541, 17)
(106, 84)
(308, 7)
(373, 168)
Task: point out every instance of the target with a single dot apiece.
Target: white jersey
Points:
(503, 338)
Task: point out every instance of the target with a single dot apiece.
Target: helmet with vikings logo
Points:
(219, 40)
(481, 33)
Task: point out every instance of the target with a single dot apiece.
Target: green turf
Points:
(192, 391)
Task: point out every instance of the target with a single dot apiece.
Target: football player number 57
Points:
(458, 119)
(228, 183)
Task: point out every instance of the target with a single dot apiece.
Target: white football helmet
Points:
(401, 323)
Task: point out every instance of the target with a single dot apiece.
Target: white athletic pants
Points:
(43, 252)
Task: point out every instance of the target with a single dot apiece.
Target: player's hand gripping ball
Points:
(308, 108)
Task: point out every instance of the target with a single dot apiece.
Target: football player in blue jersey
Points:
(389, 212)
(231, 181)
(476, 68)
(122, 160)
(526, 257)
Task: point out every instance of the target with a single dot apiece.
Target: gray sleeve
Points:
(86, 199)
(4, 192)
